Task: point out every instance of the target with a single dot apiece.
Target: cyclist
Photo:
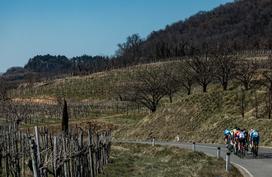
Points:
(246, 138)
(233, 131)
(242, 142)
(235, 138)
(227, 137)
(251, 136)
(254, 141)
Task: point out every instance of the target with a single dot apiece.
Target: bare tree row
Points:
(148, 85)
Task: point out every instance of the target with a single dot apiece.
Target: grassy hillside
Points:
(146, 161)
(97, 86)
(203, 118)
(94, 86)
(199, 117)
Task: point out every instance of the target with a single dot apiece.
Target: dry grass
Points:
(129, 160)
(203, 118)
(198, 117)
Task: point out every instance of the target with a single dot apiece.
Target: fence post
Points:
(65, 156)
(33, 148)
(228, 162)
(193, 147)
(91, 154)
(55, 155)
(153, 141)
(218, 152)
(37, 140)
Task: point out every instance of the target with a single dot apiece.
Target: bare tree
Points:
(129, 51)
(256, 104)
(245, 72)
(186, 77)
(172, 83)
(267, 82)
(3, 90)
(146, 87)
(225, 68)
(242, 101)
(203, 70)
(17, 112)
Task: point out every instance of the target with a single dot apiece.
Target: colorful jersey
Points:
(251, 131)
(233, 133)
(237, 134)
(242, 135)
(227, 132)
(255, 134)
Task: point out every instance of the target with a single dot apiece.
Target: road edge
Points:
(242, 170)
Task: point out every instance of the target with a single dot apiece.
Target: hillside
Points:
(240, 25)
(97, 86)
(203, 118)
(199, 117)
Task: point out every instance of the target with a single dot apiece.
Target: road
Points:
(254, 167)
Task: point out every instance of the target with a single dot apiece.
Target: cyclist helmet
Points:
(227, 132)
(255, 134)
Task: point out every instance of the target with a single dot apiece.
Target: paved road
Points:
(257, 167)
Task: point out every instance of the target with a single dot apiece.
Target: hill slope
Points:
(241, 25)
(200, 117)
(203, 118)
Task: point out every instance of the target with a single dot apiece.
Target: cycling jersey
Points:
(255, 134)
(242, 135)
(227, 132)
(251, 132)
(233, 133)
(237, 134)
(254, 137)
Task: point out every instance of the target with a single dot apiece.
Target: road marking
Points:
(237, 166)
(243, 168)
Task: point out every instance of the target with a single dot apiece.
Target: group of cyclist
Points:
(240, 140)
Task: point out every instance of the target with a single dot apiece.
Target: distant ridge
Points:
(242, 25)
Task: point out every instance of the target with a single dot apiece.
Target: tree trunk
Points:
(204, 88)
(256, 104)
(243, 102)
(153, 109)
(269, 107)
(246, 85)
(225, 86)
(170, 97)
(189, 91)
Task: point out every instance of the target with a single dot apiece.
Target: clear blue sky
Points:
(76, 27)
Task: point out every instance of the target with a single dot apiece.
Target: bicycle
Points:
(255, 149)
(242, 149)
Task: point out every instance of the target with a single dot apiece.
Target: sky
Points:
(77, 27)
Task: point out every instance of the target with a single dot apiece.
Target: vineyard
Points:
(96, 86)
(32, 113)
(41, 153)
